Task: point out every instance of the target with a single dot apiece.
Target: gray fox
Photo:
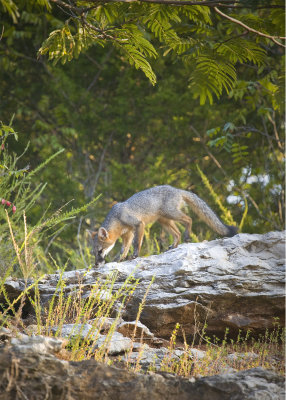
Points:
(160, 203)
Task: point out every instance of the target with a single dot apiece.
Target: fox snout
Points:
(99, 255)
(102, 245)
(99, 259)
(97, 250)
(99, 262)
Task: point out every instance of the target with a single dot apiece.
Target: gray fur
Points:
(206, 214)
(162, 203)
(165, 201)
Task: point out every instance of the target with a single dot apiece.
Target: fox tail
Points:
(206, 214)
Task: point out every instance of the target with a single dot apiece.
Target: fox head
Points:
(102, 245)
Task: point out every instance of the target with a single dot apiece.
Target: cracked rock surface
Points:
(235, 283)
(35, 375)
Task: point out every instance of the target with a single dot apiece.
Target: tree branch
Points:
(217, 163)
(214, 3)
(242, 129)
(2, 33)
(261, 215)
(81, 11)
(210, 3)
(272, 120)
(69, 6)
(236, 21)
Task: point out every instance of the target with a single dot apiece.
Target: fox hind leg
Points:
(179, 216)
(187, 222)
(171, 228)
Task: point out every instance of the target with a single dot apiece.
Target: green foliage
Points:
(10, 7)
(136, 48)
(239, 152)
(226, 141)
(63, 45)
(19, 197)
(135, 58)
(60, 45)
(241, 50)
(181, 31)
(16, 189)
(226, 215)
(212, 74)
(123, 135)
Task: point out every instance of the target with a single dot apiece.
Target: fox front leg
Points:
(139, 233)
(136, 226)
(127, 241)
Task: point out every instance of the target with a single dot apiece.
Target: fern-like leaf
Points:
(241, 50)
(136, 58)
(211, 75)
(159, 21)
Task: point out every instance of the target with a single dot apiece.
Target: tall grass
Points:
(226, 214)
(105, 298)
(228, 354)
(65, 307)
(72, 307)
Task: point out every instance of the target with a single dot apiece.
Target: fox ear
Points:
(92, 234)
(103, 234)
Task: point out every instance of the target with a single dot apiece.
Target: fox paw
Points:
(99, 264)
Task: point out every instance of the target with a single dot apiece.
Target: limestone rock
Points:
(5, 333)
(115, 345)
(151, 358)
(37, 344)
(197, 354)
(248, 356)
(104, 324)
(235, 283)
(127, 329)
(38, 376)
(85, 331)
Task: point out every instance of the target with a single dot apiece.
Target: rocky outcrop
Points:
(235, 283)
(29, 370)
